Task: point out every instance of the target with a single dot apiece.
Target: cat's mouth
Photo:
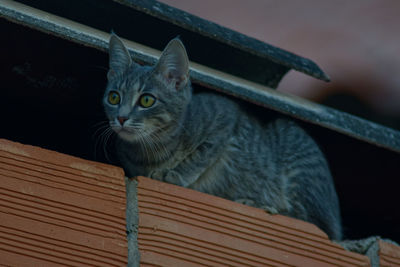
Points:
(125, 133)
(128, 133)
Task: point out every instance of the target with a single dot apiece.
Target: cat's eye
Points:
(147, 100)
(114, 98)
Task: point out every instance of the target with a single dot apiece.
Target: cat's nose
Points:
(122, 120)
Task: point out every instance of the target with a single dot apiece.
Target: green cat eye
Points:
(114, 98)
(147, 100)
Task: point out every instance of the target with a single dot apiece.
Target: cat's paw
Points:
(174, 177)
(270, 210)
(157, 174)
(168, 176)
(245, 201)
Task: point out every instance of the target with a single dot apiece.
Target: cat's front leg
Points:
(190, 167)
(168, 176)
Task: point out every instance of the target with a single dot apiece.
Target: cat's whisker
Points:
(162, 155)
(150, 143)
(108, 134)
(102, 136)
(143, 145)
(159, 149)
(100, 123)
(155, 144)
(100, 129)
(98, 135)
(101, 126)
(162, 152)
(98, 141)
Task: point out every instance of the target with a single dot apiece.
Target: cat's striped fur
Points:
(211, 143)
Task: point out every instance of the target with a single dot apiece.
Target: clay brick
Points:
(59, 210)
(182, 227)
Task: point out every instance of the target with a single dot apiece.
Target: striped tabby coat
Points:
(211, 143)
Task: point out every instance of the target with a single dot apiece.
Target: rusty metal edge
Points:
(261, 95)
(227, 36)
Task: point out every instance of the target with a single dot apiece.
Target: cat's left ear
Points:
(119, 57)
(173, 64)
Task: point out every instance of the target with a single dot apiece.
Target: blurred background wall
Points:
(357, 43)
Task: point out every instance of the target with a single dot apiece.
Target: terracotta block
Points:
(59, 210)
(182, 227)
(389, 254)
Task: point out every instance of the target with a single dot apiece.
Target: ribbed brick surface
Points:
(389, 254)
(59, 210)
(182, 227)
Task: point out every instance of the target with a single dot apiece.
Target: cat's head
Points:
(142, 101)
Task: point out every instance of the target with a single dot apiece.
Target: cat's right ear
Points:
(173, 64)
(119, 57)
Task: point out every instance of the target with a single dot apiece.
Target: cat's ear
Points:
(119, 57)
(173, 64)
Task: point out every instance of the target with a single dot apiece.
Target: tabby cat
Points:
(211, 143)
